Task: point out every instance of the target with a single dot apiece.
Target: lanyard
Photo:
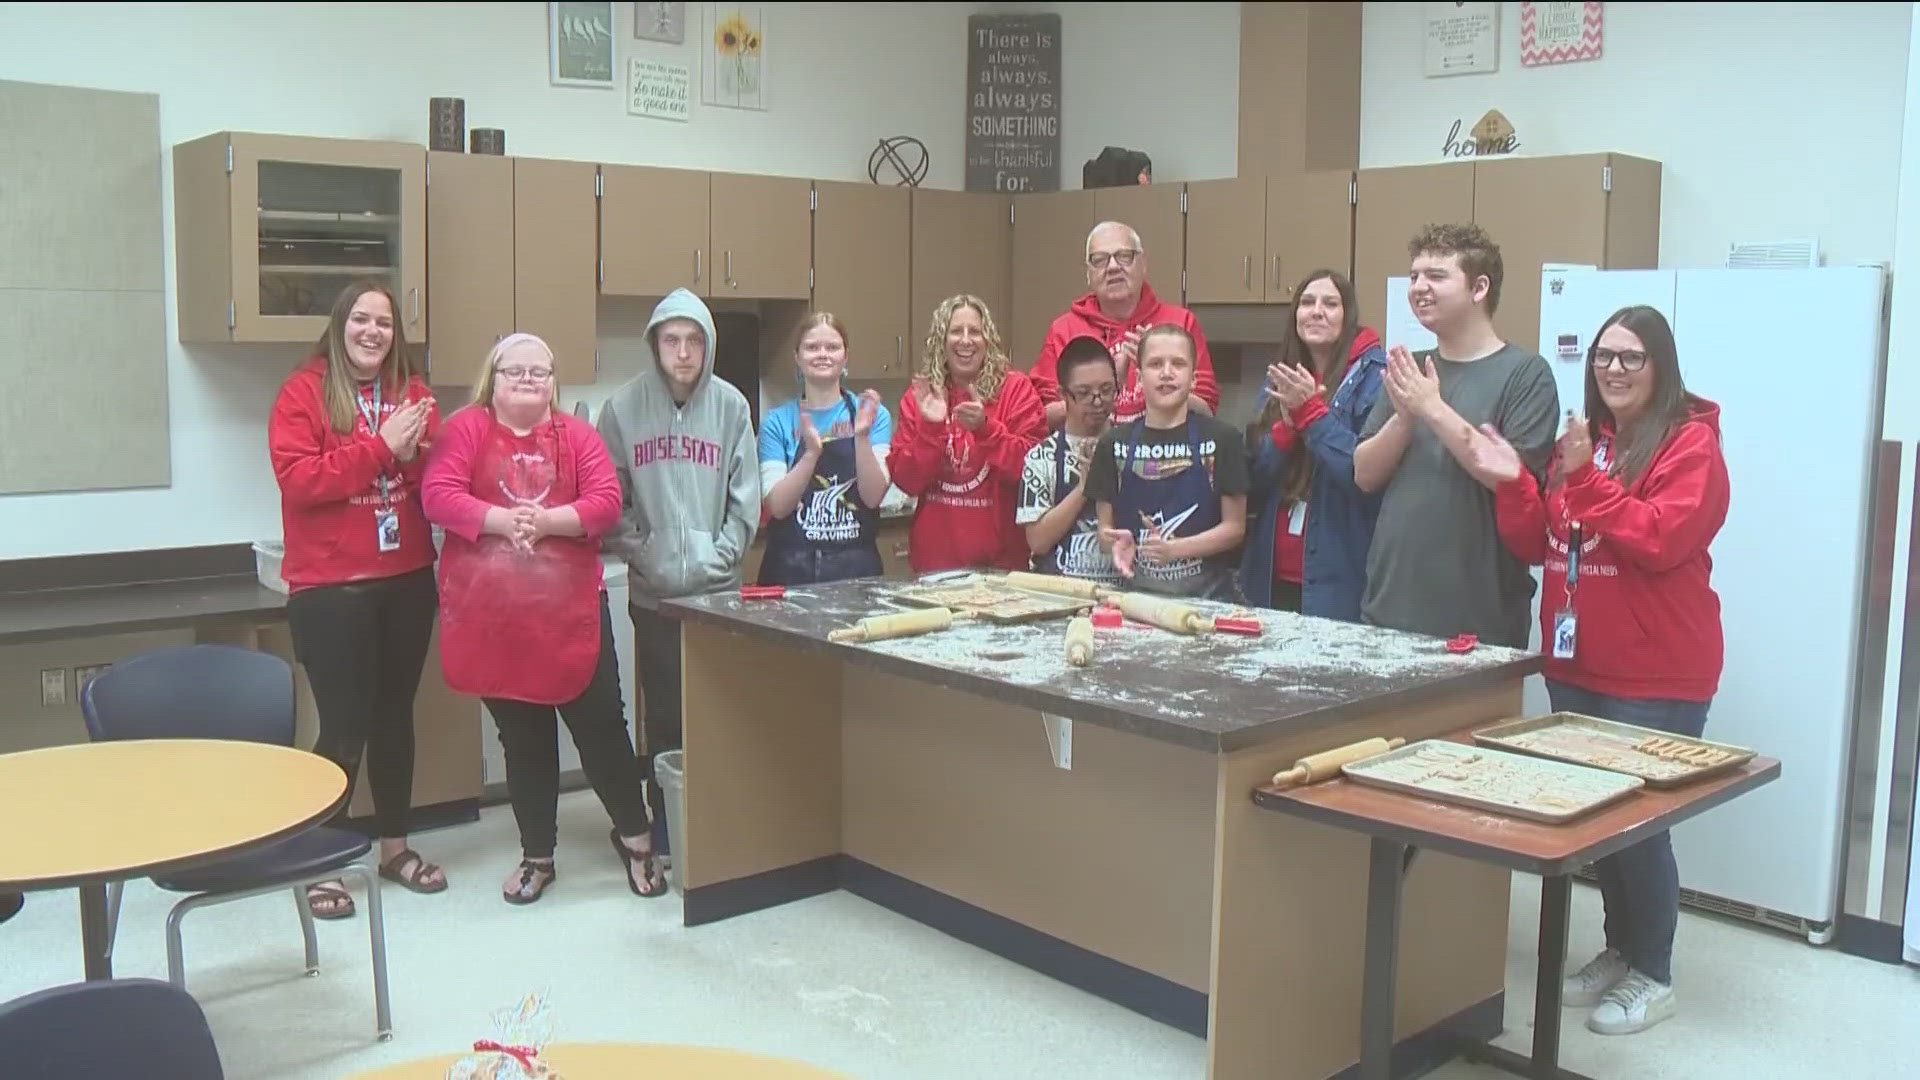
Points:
(1573, 561)
(372, 417)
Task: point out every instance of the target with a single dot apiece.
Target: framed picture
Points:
(580, 44)
(660, 22)
(733, 69)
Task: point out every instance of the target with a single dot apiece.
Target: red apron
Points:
(521, 625)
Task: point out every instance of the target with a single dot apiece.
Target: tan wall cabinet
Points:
(1049, 267)
(269, 228)
(1394, 204)
(1226, 241)
(962, 243)
(761, 237)
(555, 237)
(469, 260)
(861, 263)
(1309, 227)
(653, 231)
(1154, 211)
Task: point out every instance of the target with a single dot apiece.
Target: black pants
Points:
(656, 652)
(1286, 595)
(598, 721)
(363, 645)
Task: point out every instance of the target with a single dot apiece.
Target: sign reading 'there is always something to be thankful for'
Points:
(1013, 103)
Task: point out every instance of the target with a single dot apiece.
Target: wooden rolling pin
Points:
(1055, 585)
(1317, 767)
(1080, 641)
(1162, 612)
(898, 624)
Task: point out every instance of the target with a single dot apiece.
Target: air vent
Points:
(1774, 255)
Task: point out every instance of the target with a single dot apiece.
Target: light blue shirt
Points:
(780, 430)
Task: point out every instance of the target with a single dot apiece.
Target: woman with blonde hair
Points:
(966, 424)
(525, 492)
(346, 438)
(823, 463)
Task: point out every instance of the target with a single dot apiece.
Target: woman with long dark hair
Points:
(1307, 549)
(347, 437)
(1635, 495)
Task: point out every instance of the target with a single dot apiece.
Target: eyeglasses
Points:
(1125, 256)
(1091, 395)
(519, 374)
(1631, 360)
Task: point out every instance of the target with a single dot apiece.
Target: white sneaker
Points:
(1635, 1003)
(1584, 988)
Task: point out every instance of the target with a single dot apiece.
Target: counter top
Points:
(1217, 692)
(55, 613)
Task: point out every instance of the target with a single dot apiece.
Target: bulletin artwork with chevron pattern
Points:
(1560, 33)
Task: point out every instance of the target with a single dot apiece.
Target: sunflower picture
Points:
(735, 74)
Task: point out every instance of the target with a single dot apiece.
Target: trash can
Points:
(669, 771)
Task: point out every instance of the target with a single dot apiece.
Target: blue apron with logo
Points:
(829, 536)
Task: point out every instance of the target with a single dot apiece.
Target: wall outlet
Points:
(85, 674)
(53, 686)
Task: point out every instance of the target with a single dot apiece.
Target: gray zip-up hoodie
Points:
(689, 481)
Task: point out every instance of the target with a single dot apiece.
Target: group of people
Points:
(1410, 492)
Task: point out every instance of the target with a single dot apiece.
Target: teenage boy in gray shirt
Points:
(1437, 565)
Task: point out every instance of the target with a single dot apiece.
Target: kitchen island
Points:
(1095, 824)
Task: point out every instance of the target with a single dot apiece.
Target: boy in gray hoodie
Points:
(682, 443)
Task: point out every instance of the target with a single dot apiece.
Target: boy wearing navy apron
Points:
(1058, 517)
(1171, 487)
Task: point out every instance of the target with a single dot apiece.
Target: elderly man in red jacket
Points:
(1119, 308)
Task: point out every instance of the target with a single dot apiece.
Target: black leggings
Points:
(598, 721)
(363, 645)
(656, 653)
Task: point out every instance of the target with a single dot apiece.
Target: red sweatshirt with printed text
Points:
(1647, 621)
(967, 483)
(330, 494)
(1085, 319)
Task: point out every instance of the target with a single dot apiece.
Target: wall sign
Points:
(1493, 135)
(1462, 38)
(1560, 33)
(733, 71)
(658, 89)
(660, 22)
(1013, 102)
(580, 44)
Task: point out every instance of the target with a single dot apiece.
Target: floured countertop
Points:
(1216, 692)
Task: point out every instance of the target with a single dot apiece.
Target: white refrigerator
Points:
(1794, 359)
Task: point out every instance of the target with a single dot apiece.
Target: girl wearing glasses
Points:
(525, 492)
(823, 463)
(347, 437)
(1307, 550)
(1629, 617)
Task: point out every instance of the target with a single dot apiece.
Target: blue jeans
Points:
(1640, 886)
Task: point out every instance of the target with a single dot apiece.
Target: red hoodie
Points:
(1648, 618)
(1084, 319)
(330, 487)
(967, 483)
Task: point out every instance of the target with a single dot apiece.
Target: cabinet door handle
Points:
(413, 302)
(730, 282)
(696, 266)
(1277, 283)
(1246, 272)
(899, 352)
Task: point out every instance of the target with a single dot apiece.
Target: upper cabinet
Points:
(1049, 267)
(1153, 211)
(760, 229)
(653, 231)
(861, 265)
(1393, 204)
(469, 260)
(269, 228)
(962, 243)
(1226, 241)
(555, 230)
(1309, 228)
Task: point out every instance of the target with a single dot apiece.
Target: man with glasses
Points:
(1062, 530)
(1118, 308)
(1437, 565)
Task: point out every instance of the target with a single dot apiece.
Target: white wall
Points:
(1773, 121)
(841, 76)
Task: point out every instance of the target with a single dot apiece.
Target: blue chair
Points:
(222, 692)
(112, 1027)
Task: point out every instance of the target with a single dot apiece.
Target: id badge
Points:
(386, 527)
(1565, 627)
(1297, 518)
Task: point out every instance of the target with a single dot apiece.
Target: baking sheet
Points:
(990, 598)
(1607, 744)
(1488, 779)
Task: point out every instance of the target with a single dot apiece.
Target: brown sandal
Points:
(329, 901)
(535, 876)
(656, 878)
(418, 878)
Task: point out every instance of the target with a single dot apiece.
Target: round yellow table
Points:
(94, 813)
(625, 1061)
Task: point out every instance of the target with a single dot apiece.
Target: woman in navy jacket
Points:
(1307, 549)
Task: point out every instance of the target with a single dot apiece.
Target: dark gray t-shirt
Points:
(1437, 565)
